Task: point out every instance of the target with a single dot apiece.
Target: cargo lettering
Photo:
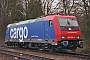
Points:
(20, 32)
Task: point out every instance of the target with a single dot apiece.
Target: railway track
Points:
(71, 54)
(75, 54)
(25, 56)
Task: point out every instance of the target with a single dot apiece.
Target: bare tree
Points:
(47, 6)
(4, 17)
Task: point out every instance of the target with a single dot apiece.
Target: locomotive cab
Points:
(70, 33)
(67, 30)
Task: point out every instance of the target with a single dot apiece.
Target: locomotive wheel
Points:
(8, 44)
(74, 49)
(39, 49)
(52, 49)
(20, 46)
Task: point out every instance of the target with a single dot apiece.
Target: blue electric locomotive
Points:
(53, 32)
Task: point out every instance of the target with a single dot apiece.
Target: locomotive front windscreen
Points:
(68, 24)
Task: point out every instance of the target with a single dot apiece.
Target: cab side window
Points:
(50, 23)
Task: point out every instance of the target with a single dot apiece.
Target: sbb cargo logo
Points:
(20, 33)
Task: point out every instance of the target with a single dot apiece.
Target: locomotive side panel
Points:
(17, 33)
(41, 32)
(23, 33)
(36, 31)
(12, 33)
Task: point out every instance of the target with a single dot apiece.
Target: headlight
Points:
(77, 37)
(63, 37)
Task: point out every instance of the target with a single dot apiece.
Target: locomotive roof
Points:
(50, 17)
(26, 22)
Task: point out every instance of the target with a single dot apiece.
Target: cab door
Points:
(48, 26)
